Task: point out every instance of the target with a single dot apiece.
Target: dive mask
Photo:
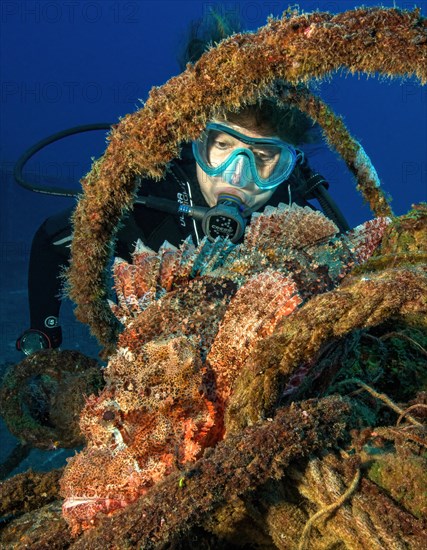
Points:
(239, 159)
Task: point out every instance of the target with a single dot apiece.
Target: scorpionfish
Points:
(191, 317)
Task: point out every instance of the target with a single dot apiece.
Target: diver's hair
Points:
(207, 31)
(270, 118)
(266, 116)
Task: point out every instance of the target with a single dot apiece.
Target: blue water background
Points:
(66, 63)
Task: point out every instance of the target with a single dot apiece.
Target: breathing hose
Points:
(29, 153)
(217, 223)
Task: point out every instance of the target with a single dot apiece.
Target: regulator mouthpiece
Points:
(225, 220)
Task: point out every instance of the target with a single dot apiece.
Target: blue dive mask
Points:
(239, 159)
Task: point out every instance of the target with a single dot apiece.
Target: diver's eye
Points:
(264, 157)
(221, 145)
(221, 142)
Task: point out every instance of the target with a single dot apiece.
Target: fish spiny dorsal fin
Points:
(167, 267)
(181, 264)
(141, 251)
(275, 235)
(211, 255)
(146, 264)
(151, 275)
(365, 238)
(191, 262)
(341, 253)
(133, 294)
(287, 227)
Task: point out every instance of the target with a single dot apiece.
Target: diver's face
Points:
(244, 188)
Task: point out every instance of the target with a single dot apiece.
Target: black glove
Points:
(33, 340)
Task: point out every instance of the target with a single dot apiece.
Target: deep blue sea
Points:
(66, 63)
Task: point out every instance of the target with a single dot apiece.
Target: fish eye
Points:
(108, 416)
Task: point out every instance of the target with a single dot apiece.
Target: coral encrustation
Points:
(239, 71)
(192, 317)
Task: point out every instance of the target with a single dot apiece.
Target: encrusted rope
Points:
(239, 71)
(370, 519)
(327, 510)
(363, 301)
(385, 399)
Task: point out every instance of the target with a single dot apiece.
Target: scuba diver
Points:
(242, 162)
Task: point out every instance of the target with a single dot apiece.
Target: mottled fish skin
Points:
(191, 318)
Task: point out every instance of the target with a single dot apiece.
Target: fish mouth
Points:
(104, 503)
(82, 513)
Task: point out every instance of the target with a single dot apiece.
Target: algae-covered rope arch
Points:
(239, 71)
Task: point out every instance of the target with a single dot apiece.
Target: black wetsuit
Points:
(50, 249)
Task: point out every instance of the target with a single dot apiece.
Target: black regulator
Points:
(228, 218)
